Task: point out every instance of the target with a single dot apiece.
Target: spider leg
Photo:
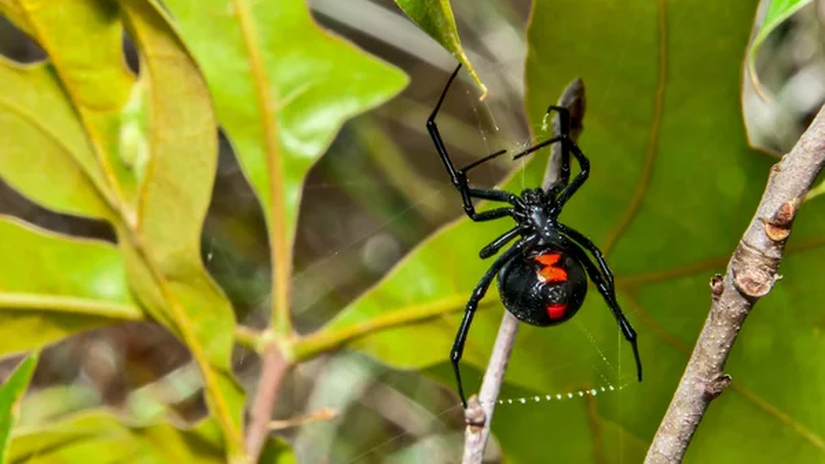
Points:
(577, 182)
(564, 170)
(458, 177)
(490, 215)
(592, 248)
(481, 161)
(567, 144)
(499, 242)
(496, 195)
(432, 128)
(487, 194)
(469, 310)
(609, 295)
(539, 146)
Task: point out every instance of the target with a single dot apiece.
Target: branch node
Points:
(778, 228)
(717, 286)
(753, 272)
(753, 281)
(474, 415)
(715, 387)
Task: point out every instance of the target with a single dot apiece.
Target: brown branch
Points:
(325, 414)
(479, 412)
(751, 273)
(273, 370)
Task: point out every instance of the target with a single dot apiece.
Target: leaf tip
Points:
(466, 62)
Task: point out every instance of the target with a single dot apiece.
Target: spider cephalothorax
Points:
(534, 197)
(542, 278)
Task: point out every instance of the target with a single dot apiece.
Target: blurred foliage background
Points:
(375, 195)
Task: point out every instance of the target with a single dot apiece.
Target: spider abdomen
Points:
(545, 287)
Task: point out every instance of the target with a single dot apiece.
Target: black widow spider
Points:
(541, 279)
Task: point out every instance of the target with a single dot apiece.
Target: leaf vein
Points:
(653, 138)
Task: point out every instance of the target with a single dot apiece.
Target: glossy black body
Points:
(537, 231)
(527, 296)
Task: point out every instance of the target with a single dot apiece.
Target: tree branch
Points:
(750, 275)
(479, 412)
(273, 370)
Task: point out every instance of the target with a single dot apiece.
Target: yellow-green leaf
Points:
(88, 57)
(171, 205)
(52, 286)
(435, 17)
(46, 155)
(10, 395)
(153, 145)
(98, 437)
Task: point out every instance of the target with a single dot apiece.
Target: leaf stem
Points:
(326, 340)
(70, 304)
(250, 338)
(279, 242)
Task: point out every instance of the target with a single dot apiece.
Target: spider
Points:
(542, 278)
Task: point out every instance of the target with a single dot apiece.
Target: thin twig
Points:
(317, 416)
(750, 275)
(274, 368)
(249, 338)
(479, 412)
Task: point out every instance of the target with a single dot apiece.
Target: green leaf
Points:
(10, 395)
(673, 184)
(280, 100)
(52, 286)
(98, 437)
(435, 17)
(778, 12)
